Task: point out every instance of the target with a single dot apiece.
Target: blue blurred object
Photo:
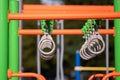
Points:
(77, 64)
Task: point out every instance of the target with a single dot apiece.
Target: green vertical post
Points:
(14, 39)
(117, 38)
(3, 39)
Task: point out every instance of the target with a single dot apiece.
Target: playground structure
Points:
(9, 39)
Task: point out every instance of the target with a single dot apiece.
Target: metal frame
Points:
(13, 16)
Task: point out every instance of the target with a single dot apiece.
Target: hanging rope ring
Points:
(46, 46)
(101, 43)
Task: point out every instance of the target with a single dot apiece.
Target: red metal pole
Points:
(64, 32)
(62, 12)
(47, 16)
(68, 7)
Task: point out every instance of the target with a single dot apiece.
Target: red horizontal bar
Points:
(22, 16)
(60, 32)
(68, 7)
(62, 12)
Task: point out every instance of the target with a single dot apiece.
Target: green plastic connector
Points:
(88, 27)
(43, 24)
(84, 30)
(51, 25)
(89, 21)
(47, 26)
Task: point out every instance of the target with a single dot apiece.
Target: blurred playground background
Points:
(71, 44)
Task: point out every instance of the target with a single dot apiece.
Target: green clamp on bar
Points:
(47, 26)
(84, 30)
(92, 23)
(88, 27)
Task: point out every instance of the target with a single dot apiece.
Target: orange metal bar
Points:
(68, 7)
(96, 76)
(11, 74)
(64, 32)
(112, 74)
(47, 16)
(62, 12)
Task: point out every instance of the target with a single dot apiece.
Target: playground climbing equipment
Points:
(9, 31)
(46, 44)
(94, 43)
